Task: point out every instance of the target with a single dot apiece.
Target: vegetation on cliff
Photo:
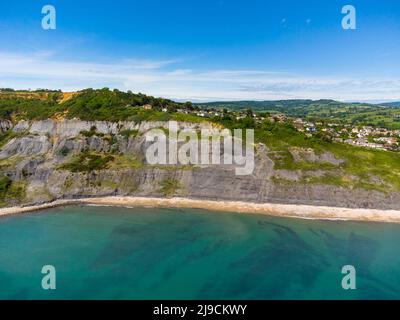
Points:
(88, 162)
(89, 104)
(11, 191)
(357, 167)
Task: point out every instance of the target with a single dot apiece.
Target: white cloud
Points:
(170, 78)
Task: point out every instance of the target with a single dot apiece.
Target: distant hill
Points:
(392, 104)
(283, 105)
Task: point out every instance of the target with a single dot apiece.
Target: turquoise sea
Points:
(143, 253)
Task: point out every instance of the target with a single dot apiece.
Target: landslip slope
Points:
(41, 161)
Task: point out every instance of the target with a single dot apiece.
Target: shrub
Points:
(87, 162)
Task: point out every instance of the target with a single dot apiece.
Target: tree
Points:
(188, 105)
(249, 113)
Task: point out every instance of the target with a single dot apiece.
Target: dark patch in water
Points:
(286, 259)
(314, 232)
(335, 245)
(362, 253)
(121, 243)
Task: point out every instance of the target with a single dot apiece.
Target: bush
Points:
(129, 133)
(10, 190)
(170, 186)
(87, 162)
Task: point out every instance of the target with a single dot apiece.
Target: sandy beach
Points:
(281, 210)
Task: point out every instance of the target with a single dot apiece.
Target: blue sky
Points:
(206, 50)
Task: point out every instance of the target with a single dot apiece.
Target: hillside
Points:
(277, 105)
(88, 104)
(392, 104)
(385, 115)
(93, 144)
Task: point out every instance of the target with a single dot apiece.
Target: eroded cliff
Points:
(41, 161)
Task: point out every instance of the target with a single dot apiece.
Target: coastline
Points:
(270, 209)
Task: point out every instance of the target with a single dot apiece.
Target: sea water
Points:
(148, 253)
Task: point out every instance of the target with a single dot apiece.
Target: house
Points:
(388, 140)
(280, 117)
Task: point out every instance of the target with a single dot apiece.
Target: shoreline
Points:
(269, 209)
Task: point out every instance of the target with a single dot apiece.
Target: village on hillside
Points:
(362, 136)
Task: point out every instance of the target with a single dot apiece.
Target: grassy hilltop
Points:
(88, 104)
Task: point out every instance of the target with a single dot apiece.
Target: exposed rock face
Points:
(72, 128)
(300, 154)
(37, 151)
(5, 125)
(26, 146)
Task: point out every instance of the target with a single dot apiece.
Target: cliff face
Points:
(44, 159)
